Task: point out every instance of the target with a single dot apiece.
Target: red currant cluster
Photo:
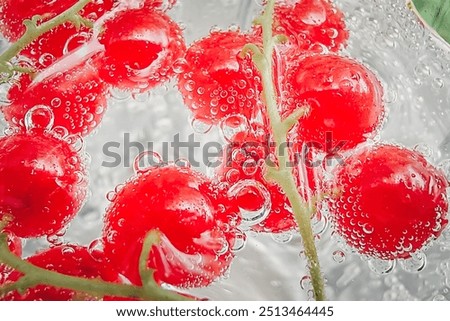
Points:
(386, 201)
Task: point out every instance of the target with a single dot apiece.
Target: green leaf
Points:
(436, 15)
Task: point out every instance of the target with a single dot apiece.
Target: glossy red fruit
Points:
(77, 98)
(153, 42)
(245, 161)
(344, 97)
(69, 260)
(49, 46)
(183, 205)
(308, 24)
(216, 82)
(391, 201)
(42, 183)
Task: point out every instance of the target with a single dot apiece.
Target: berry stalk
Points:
(34, 275)
(282, 175)
(35, 30)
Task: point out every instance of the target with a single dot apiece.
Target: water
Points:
(415, 70)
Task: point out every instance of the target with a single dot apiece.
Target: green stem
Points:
(34, 31)
(34, 275)
(282, 175)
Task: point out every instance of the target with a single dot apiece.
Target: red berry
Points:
(244, 163)
(14, 12)
(391, 201)
(216, 82)
(42, 183)
(77, 98)
(153, 43)
(344, 97)
(69, 260)
(183, 206)
(308, 23)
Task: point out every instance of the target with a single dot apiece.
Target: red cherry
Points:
(69, 260)
(308, 23)
(42, 183)
(391, 201)
(216, 82)
(14, 12)
(77, 98)
(180, 203)
(344, 97)
(153, 43)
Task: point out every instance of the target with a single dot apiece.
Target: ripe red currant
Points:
(216, 82)
(77, 98)
(42, 183)
(183, 205)
(69, 260)
(308, 23)
(153, 42)
(344, 97)
(50, 45)
(391, 201)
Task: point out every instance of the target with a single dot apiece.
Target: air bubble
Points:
(282, 238)
(179, 66)
(415, 263)
(67, 250)
(424, 149)
(95, 249)
(183, 162)
(439, 297)
(245, 189)
(233, 125)
(305, 283)
(111, 196)
(146, 160)
(39, 117)
(338, 256)
(381, 266)
(367, 228)
(199, 126)
(120, 95)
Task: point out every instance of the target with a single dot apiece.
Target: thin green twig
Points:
(34, 30)
(282, 175)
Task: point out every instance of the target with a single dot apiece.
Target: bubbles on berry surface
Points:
(315, 15)
(46, 60)
(244, 193)
(145, 161)
(39, 117)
